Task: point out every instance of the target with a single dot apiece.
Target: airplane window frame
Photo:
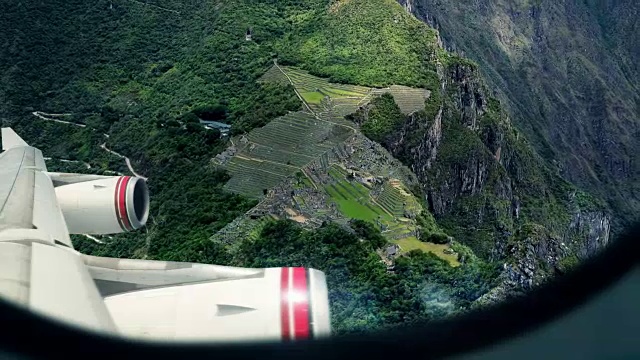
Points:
(448, 337)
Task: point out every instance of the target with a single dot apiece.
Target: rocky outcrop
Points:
(470, 99)
(588, 232)
(417, 141)
(535, 255)
(468, 178)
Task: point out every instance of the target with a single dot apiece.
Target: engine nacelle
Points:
(281, 304)
(105, 206)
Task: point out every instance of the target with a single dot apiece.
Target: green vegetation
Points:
(312, 97)
(569, 263)
(382, 120)
(374, 43)
(387, 213)
(363, 295)
(342, 99)
(352, 207)
(354, 200)
(440, 250)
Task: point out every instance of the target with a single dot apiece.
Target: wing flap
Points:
(61, 287)
(27, 197)
(16, 188)
(114, 276)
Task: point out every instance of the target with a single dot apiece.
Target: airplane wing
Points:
(212, 302)
(27, 197)
(38, 266)
(138, 298)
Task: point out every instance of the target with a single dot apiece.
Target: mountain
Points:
(568, 73)
(425, 158)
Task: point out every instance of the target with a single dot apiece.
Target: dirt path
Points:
(48, 117)
(126, 159)
(294, 89)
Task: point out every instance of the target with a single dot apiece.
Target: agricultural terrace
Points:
(409, 100)
(279, 149)
(313, 89)
(322, 97)
(330, 100)
(395, 199)
(289, 143)
(274, 75)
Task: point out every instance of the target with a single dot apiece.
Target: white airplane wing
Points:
(137, 298)
(38, 266)
(27, 197)
(212, 302)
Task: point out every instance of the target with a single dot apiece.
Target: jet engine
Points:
(102, 204)
(187, 301)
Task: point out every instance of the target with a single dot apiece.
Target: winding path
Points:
(126, 159)
(52, 117)
(49, 117)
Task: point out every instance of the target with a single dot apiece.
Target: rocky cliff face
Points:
(536, 255)
(567, 72)
(486, 186)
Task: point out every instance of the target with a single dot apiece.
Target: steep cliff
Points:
(486, 185)
(567, 71)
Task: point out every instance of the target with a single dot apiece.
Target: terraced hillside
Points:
(269, 154)
(314, 89)
(409, 99)
(354, 199)
(344, 98)
(283, 147)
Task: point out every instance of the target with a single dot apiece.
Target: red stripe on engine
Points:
(115, 203)
(284, 304)
(122, 204)
(301, 304)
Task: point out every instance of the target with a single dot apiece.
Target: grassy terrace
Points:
(274, 75)
(280, 149)
(392, 200)
(409, 100)
(322, 96)
(305, 82)
(353, 199)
